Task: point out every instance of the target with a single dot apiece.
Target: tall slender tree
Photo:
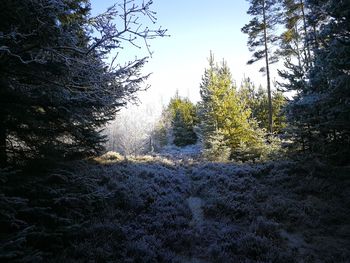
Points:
(256, 99)
(295, 39)
(295, 46)
(261, 39)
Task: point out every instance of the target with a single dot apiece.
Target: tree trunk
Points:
(3, 155)
(299, 51)
(308, 57)
(267, 71)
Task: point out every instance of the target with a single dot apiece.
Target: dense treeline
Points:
(229, 122)
(319, 113)
(315, 49)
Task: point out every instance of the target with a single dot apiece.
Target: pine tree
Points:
(261, 39)
(296, 49)
(224, 116)
(295, 46)
(295, 39)
(257, 101)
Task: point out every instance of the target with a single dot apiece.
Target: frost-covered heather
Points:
(155, 209)
(273, 213)
(178, 153)
(146, 217)
(161, 210)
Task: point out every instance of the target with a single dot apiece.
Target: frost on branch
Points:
(113, 36)
(57, 89)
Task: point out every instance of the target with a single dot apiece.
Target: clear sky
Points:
(196, 27)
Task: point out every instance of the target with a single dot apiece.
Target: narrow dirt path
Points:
(195, 204)
(197, 223)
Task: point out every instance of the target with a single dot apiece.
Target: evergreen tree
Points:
(160, 133)
(182, 131)
(257, 101)
(184, 120)
(208, 123)
(296, 46)
(56, 91)
(224, 116)
(295, 39)
(321, 110)
(177, 123)
(279, 111)
(217, 148)
(261, 38)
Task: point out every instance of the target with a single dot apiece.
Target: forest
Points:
(249, 173)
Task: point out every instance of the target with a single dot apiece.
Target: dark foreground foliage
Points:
(138, 211)
(56, 90)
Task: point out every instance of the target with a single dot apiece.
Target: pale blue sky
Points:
(196, 27)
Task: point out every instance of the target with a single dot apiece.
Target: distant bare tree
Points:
(130, 132)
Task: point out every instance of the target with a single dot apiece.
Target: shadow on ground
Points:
(154, 209)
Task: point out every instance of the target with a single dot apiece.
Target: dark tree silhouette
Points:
(56, 90)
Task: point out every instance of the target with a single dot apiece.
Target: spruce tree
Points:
(183, 132)
(217, 148)
(56, 91)
(321, 110)
(208, 123)
(261, 38)
(177, 123)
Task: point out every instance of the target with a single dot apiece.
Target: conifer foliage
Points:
(257, 101)
(56, 91)
(224, 115)
(183, 120)
(319, 113)
(177, 124)
(262, 38)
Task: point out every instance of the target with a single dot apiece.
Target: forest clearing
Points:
(244, 168)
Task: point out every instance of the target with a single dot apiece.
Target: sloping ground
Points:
(152, 209)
